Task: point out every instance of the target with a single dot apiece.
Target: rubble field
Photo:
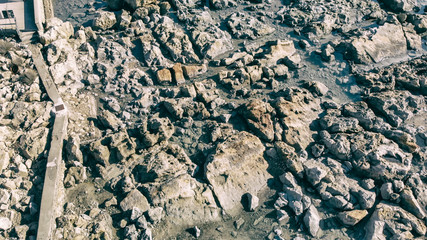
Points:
(221, 119)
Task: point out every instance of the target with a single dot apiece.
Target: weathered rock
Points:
(252, 202)
(62, 58)
(258, 117)
(164, 76)
(413, 40)
(109, 120)
(75, 175)
(400, 5)
(56, 29)
(124, 20)
(386, 191)
(156, 130)
(121, 146)
(100, 152)
(165, 173)
(5, 223)
(366, 117)
(33, 143)
(410, 203)
(387, 219)
(327, 53)
(290, 160)
(73, 149)
(104, 21)
(4, 159)
(134, 199)
(372, 154)
(396, 106)
(247, 27)
(312, 220)
(296, 112)
(317, 88)
(293, 61)
(155, 214)
(388, 41)
(278, 50)
(237, 167)
(351, 218)
(191, 71)
(153, 56)
(159, 165)
(175, 40)
(315, 171)
(178, 74)
(210, 39)
(334, 124)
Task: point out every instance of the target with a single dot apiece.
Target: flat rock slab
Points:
(388, 41)
(237, 167)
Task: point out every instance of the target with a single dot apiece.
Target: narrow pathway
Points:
(51, 200)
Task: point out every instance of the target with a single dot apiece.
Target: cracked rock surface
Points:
(222, 119)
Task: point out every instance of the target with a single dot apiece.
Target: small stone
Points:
(195, 231)
(4, 159)
(282, 215)
(104, 20)
(5, 223)
(312, 220)
(135, 213)
(134, 199)
(351, 218)
(238, 223)
(367, 184)
(386, 190)
(252, 202)
(398, 186)
(155, 214)
(178, 75)
(293, 62)
(318, 88)
(111, 202)
(164, 77)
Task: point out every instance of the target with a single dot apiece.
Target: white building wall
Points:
(18, 10)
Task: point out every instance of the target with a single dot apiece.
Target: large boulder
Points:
(400, 5)
(235, 168)
(312, 220)
(166, 175)
(387, 41)
(277, 51)
(56, 29)
(175, 40)
(104, 20)
(258, 117)
(134, 199)
(244, 26)
(33, 143)
(296, 112)
(372, 154)
(396, 106)
(62, 60)
(387, 221)
(209, 39)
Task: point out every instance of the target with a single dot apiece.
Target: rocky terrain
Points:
(222, 119)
